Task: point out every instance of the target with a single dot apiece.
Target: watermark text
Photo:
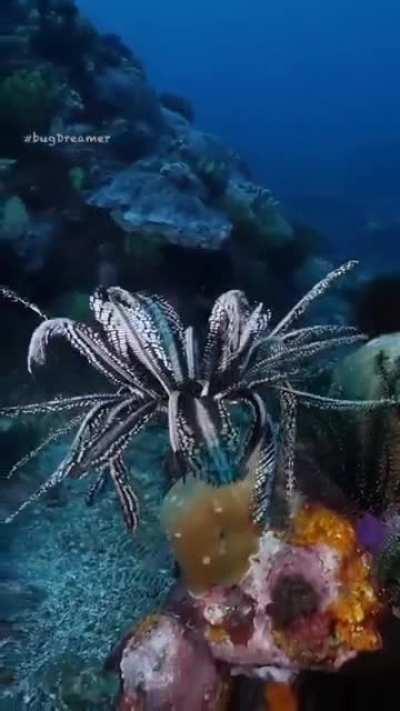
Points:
(65, 138)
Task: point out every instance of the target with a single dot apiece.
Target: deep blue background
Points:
(308, 91)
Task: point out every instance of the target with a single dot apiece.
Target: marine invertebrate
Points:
(141, 347)
(27, 99)
(372, 371)
(214, 174)
(161, 208)
(63, 36)
(307, 600)
(77, 178)
(256, 217)
(15, 220)
(310, 599)
(220, 554)
(156, 669)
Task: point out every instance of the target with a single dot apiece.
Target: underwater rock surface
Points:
(92, 160)
(165, 665)
(164, 199)
(306, 602)
(77, 580)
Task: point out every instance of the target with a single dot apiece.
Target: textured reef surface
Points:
(259, 484)
(71, 582)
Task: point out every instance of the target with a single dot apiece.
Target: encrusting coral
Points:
(157, 670)
(218, 546)
(299, 607)
(306, 598)
(27, 100)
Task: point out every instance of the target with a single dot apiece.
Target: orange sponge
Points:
(210, 531)
(358, 605)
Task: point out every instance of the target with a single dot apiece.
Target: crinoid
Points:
(138, 343)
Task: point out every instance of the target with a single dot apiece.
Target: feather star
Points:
(140, 346)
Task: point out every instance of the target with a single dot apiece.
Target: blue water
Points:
(308, 91)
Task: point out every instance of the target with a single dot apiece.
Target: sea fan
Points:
(157, 368)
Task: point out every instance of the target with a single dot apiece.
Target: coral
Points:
(388, 563)
(297, 606)
(180, 175)
(120, 90)
(132, 139)
(77, 177)
(315, 525)
(292, 598)
(161, 207)
(63, 36)
(27, 100)
(157, 670)
(15, 220)
(12, 45)
(29, 238)
(65, 8)
(100, 85)
(215, 176)
(178, 104)
(373, 466)
(309, 604)
(80, 557)
(113, 52)
(371, 532)
(255, 214)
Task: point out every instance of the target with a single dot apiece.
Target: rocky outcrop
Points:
(93, 161)
(166, 199)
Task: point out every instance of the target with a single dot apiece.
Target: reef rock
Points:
(362, 374)
(301, 599)
(306, 601)
(163, 199)
(165, 665)
(29, 238)
(373, 465)
(254, 206)
(95, 151)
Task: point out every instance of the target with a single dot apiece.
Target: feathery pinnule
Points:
(156, 368)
